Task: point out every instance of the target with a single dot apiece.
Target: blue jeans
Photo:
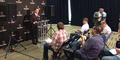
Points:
(76, 45)
(110, 58)
(77, 55)
(107, 52)
(45, 53)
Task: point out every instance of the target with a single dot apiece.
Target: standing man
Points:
(34, 19)
(99, 16)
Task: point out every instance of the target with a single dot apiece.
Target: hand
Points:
(78, 31)
(81, 36)
(35, 21)
(118, 50)
(119, 19)
(98, 16)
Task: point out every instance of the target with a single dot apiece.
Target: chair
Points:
(58, 52)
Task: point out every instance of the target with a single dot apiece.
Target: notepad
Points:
(113, 51)
(48, 40)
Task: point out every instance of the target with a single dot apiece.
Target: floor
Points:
(35, 52)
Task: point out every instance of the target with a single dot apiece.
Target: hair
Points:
(60, 25)
(101, 9)
(98, 29)
(85, 19)
(103, 22)
(36, 8)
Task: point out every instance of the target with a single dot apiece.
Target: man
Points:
(99, 16)
(59, 38)
(110, 56)
(79, 43)
(84, 27)
(91, 48)
(106, 28)
(34, 18)
(107, 55)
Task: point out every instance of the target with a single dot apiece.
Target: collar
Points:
(36, 14)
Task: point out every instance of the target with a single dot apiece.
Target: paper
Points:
(113, 51)
(48, 40)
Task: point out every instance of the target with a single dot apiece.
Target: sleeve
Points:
(54, 40)
(104, 14)
(95, 15)
(89, 43)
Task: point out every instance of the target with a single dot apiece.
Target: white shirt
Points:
(107, 30)
(84, 27)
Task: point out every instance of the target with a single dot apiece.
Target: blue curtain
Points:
(86, 8)
(61, 11)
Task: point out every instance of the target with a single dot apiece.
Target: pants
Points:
(45, 53)
(110, 58)
(34, 35)
(76, 46)
(77, 55)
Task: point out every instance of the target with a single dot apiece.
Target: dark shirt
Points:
(92, 46)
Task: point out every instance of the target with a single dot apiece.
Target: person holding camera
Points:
(91, 48)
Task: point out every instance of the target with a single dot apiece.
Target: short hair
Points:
(101, 9)
(98, 29)
(36, 8)
(103, 22)
(85, 19)
(101, 28)
(60, 25)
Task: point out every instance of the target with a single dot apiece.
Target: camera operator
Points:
(91, 48)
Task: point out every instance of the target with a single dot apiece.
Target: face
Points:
(84, 21)
(37, 11)
(103, 25)
(93, 31)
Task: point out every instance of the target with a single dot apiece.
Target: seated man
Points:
(108, 56)
(106, 28)
(59, 38)
(91, 48)
(84, 27)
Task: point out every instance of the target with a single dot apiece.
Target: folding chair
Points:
(58, 52)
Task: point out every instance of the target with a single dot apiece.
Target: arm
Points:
(83, 41)
(118, 50)
(95, 15)
(54, 40)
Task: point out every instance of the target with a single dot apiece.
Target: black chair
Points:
(58, 52)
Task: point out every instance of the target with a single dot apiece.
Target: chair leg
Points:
(106, 45)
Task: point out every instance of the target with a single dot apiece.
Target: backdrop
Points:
(86, 8)
(31, 5)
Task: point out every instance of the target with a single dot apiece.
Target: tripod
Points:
(9, 43)
(51, 28)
